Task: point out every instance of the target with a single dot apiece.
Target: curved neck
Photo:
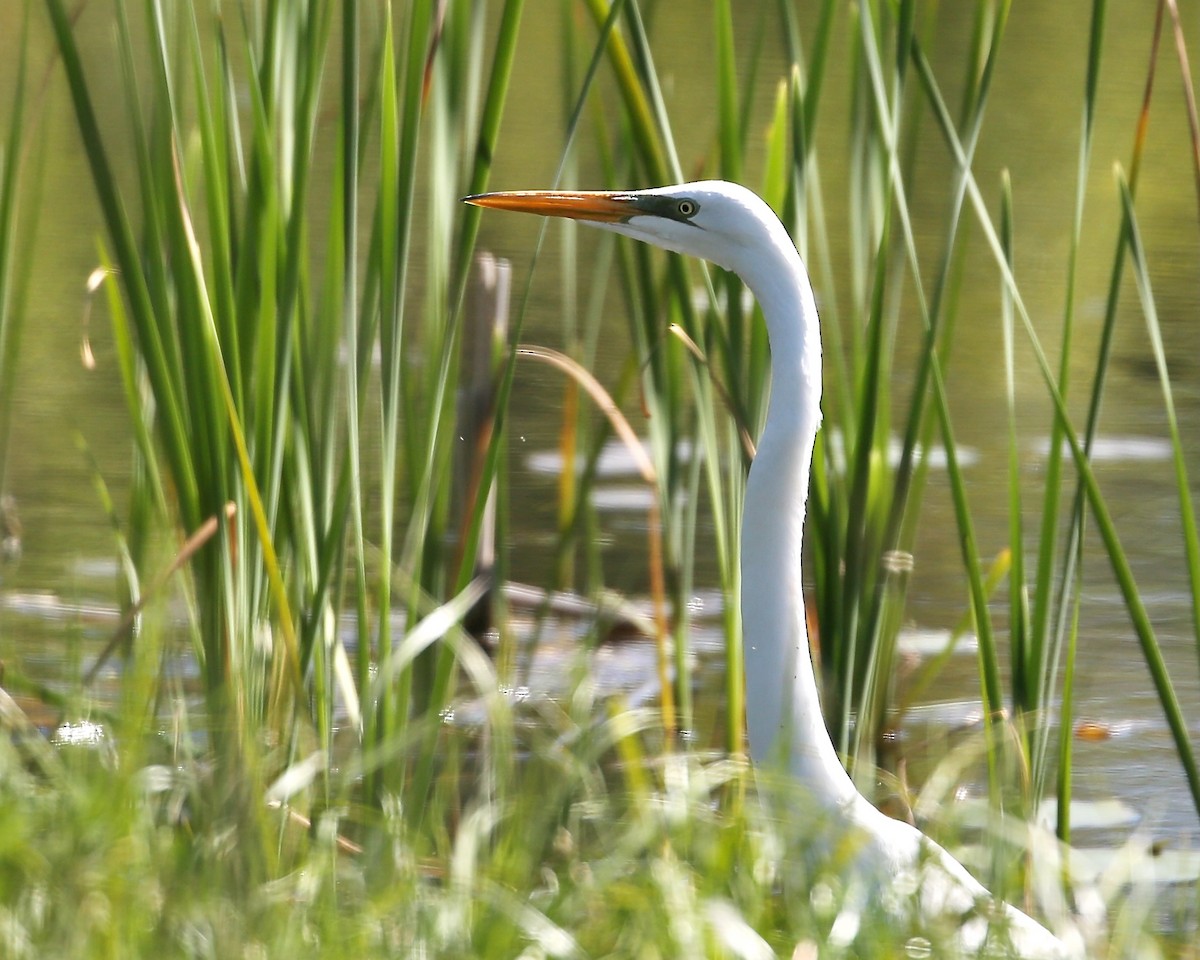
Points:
(784, 710)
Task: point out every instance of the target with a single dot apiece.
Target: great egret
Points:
(732, 227)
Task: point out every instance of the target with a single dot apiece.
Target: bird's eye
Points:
(687, 208)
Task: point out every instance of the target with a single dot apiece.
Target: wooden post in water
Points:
(484, 337)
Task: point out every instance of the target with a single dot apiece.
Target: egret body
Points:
(732, 227)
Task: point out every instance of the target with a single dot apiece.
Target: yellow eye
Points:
(687, 208)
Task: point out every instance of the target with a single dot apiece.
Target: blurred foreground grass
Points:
(101, 857)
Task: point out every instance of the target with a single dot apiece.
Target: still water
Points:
(66, 415)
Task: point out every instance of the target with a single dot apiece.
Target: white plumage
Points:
(732, 227)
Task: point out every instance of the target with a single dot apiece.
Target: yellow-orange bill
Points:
(578, 205)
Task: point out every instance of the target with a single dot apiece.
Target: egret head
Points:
(714, 220)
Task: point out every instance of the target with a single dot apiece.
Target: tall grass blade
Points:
(1041, 641)
(1187, 513)
(19, 203)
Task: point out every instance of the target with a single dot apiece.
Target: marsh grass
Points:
(285, 269)
(578, 860)
(20, 189)
(259, 367)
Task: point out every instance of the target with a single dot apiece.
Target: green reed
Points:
(20, 188)
(1043, 649)
(254, 333)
